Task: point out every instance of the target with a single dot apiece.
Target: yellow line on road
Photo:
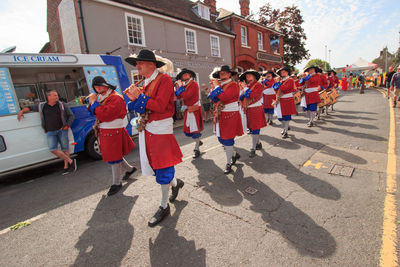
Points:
(389, 236)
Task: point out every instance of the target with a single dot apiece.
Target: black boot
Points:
(159, 216)
(252, 153)
(175, 190)
(114, 189)
(196, 153)
(128, 174)
(228, 168)
(235, 158)
(259, 146)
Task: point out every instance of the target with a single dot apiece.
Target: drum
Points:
(324, 99)
(297, 97)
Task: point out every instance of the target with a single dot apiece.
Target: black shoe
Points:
(129, 173)
(196, 154)
(175, 190)
(228, 168)
(114, 189)
(288, 128)
(271, 122)
(160, 214)
(252, 153)
(268, 121)
(235, 158)
(283, 131)
(200, 143)
(285, 135)
(72, 166)
(66, 171)
(259, 146)
(310, 124)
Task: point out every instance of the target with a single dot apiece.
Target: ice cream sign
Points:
(36, 59)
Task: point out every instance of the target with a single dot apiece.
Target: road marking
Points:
(8, 229)
(317, 166)
(389, 235)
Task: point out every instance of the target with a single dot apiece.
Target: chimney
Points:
(244, 7)
(213, 6)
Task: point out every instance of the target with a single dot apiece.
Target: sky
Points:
(349, 28)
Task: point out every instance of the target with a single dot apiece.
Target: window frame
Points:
(195, 41)
(204, 8)
(211, 45)
(260, 34)
(241, 36)
(141, 25)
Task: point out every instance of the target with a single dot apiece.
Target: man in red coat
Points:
(269, 95)
(284, 103)
(333, 83)
(324, 86)
(188, 91)
(159, 151)
(252, 106)
(310, 99)
(110, 109)
(227, 121)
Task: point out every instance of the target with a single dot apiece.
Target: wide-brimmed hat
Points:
(269, 72)
(100, 81)
(144, 55)
(183, 71)
(223, 68)
(256, 74)
(330, 71)
(283, 68)
(312, 67)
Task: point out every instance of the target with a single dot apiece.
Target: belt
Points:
(269, 91)
(312, 89)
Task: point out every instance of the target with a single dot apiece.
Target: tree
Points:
(289, 22)
(320, 63)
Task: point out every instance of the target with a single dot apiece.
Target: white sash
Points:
(115, 124)
(244, 119)
(257, 104)
(269, 91)
(312, 89)
(164, 126)
(303, 102)
(278, 108)
(191, 120)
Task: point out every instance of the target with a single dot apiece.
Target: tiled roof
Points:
(178, 9)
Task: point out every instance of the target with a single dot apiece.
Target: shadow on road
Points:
(354, 134)
(171, 249)
(109, 236)
(218, 185)
(267, 164)
(299, 229)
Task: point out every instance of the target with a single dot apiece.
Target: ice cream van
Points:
(24, 80)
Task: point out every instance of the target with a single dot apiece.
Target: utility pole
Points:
(386, 59)
(330, 58)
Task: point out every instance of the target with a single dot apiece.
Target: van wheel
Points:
(92, 147)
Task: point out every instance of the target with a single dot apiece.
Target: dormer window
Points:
(203, 11)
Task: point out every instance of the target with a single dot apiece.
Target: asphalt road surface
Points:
(281, 208)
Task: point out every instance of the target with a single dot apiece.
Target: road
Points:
(300, 214)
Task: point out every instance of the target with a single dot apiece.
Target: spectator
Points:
(388, 79)
(361, 79)
(351, 81)
(375, 75)
(206, 102)
(395, 84)
(56, 118)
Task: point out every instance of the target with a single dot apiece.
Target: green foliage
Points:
(320, 63)
(289, 22)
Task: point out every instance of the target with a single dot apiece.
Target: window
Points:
(203, 11)
(260, 41)
(190, 38)
(243, 32)
(135, 30)
(214, 46)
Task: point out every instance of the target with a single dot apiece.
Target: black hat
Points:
(256, 74)
(223, 68)
(330, 71)
(318, 70)
(183, 71)
(312, 67)
(100, 81)
(269, 72)
(283, 68)
(144, 55)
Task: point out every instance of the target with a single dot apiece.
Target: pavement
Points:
(281, 208)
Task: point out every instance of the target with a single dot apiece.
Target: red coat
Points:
(267, 99)
(114, 143)
(313, 97)
(344, 84)
(190, 97)
(162, 150)
(324, 81)
(230, 123)
(255, 115)
(288, 106)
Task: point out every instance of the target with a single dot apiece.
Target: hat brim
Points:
(242, 76)
(270, 72)
(133, 61)
(283, 69)
(179, 76)
(112, 87)
(216, 74)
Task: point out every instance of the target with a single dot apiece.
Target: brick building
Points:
(255, 46)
